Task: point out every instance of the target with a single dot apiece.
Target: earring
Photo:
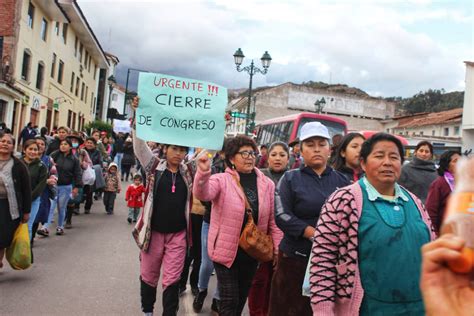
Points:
(233, 166)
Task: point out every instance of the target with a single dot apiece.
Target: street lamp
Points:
(251, 70)
(126, 87)
(319, 105)
(111, 81)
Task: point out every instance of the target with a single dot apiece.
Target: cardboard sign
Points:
(180, 111)
(122, 126)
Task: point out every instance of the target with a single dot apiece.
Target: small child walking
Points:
(112, 187)
(134, 198)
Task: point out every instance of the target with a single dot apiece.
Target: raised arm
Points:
(205, 187)
(140, 148)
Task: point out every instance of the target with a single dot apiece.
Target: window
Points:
(114, 97)
(77, 86)
(86, 58)
(44, 29)
(82, 91)
(69, 117)
(92, 102)
(457, 130)
(95, 69)
(65, 28)
(85, 95)
(25, 68)
(40, 76)
(31, 15)
(446, 131)
(433, 132)
(75, 46)
(56, 28)
(89, 64)
(53, 65)
(73, 76)
(60, 71)
(80, 53)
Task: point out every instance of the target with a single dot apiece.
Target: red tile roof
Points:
(444, 117)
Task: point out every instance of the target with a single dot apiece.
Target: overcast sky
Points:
(385, 47)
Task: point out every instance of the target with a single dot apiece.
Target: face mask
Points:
(75, 145)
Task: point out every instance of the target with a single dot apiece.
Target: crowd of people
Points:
(346, 221)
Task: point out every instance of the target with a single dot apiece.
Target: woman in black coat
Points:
(15, 193)
(128, 160)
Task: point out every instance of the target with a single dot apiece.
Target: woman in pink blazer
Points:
(234, 268)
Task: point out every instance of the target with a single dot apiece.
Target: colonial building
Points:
(358, 109)
(51, 61)
(443, 128)
(468, 109)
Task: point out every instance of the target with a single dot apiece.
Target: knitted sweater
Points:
(336, 287)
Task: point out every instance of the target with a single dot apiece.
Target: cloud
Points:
(371, 45)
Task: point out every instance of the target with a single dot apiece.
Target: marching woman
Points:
(49, 192)
(299, 197)
(15, 193)
(228, 193)
(347, 157)
(69, 180)
(38, 175)
(418, 175)
(259, 295)
(441, 188)
(366, 257)
(163, 227)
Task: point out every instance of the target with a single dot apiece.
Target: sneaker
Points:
(43, 232)
(194, 290)
(215, 305)
(76, 211)
(86, 211)
(68, 226)
(129, 220)
(199, 301)
(59, 231)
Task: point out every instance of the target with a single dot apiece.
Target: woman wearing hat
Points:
(298, 200)
(128, 159)
(69, 179)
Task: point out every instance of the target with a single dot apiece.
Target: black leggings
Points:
(126, 171)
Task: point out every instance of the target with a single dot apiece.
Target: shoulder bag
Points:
(253, 241)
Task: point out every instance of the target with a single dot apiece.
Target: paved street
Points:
(92, 270)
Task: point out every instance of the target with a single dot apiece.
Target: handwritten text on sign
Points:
(181, 111)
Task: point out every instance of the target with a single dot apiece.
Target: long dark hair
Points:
(339, 161)
(444, 161)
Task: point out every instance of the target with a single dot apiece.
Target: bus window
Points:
(333, 127)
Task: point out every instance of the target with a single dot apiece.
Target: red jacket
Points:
(436, 201)
(134, 196)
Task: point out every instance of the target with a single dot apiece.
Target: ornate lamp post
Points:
(319, 105)
(251, 70)
(111, 81)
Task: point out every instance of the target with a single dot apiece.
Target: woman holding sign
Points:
(161, 230)
(241, 187)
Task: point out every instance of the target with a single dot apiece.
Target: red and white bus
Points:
(287, 128)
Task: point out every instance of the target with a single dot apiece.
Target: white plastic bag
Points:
(88, 176)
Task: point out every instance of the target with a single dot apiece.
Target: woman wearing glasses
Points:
(299, 197)
(235, 268)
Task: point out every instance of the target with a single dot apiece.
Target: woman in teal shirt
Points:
(367, 247)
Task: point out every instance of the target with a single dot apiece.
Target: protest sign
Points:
(122, 126)
(180, 111)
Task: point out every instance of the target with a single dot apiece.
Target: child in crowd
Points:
(112, 187)
(134, 198)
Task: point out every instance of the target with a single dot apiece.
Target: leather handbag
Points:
(253, 241)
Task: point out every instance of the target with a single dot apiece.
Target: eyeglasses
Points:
(246, 154)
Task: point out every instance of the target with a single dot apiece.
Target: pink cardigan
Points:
(336, 287)
(227, 214)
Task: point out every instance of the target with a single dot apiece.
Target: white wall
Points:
(468, 109)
